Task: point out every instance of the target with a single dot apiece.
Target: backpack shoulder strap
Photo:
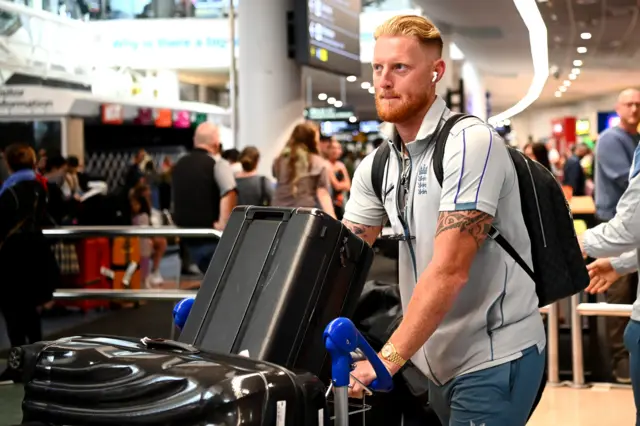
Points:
(441, 142)
(377, 168)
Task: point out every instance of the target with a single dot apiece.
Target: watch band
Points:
(390, 354)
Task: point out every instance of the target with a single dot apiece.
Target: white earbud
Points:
(435, 77)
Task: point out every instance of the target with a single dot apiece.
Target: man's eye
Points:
(399, 67)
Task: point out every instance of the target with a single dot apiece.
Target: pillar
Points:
(74, 143)
(270, 93)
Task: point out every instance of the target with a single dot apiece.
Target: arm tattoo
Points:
(366, 232)
(475, 223)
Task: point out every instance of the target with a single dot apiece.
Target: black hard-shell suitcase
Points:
(278, 277)
(115, 381)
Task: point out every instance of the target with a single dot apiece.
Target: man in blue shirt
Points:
(614, 155)
(574, 175)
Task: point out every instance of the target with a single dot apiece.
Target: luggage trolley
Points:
(342, 339)
(344, 343)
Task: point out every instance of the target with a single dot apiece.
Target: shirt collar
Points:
(429, 123)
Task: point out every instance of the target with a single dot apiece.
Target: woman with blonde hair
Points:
(303, 177)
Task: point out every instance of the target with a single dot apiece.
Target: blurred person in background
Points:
(76, 179)
(30, 273)
(253, 189)
(41, 161)
(203, 190)
(4, 169)
(573, 174)
(303, 176)
(58, 205)
(134, 173)
(555, 158)
(613, 158)
(151, 249)
(233, 157)
(340, 179)
(324, 146)
(164, 185)
(538, 152)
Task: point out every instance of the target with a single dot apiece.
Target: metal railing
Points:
(128, 295)
(79, 232)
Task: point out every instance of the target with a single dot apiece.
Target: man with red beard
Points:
(471, 321)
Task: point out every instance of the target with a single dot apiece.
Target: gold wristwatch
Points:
(390, 354)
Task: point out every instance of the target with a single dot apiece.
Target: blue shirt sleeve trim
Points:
(486, 161)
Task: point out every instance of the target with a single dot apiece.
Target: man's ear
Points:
(440, 67)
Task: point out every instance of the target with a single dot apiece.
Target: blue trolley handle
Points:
(181, 312)
(341, 338)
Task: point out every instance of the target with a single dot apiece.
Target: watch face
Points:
(386, 351)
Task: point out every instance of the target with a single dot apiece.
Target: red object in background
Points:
(183, 120)
(93, 254)
(564, 132)
(112, 114)
(145, 116)
(164, 118)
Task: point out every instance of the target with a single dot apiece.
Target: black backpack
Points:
(559, 268)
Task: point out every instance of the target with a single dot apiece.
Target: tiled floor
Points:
(559, 407)
(596, 406)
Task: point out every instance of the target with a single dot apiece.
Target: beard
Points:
(402, 107)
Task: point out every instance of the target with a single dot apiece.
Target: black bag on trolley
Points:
(278, 277)
(114, 381)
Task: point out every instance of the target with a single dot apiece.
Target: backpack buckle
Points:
(493, 233)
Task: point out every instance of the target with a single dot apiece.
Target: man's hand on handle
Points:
(365, 374)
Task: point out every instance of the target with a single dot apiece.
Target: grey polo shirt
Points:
(496, 314)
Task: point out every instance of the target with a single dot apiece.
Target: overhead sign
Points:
(182, 44)
(333, 36)
(328, 114)
(22, 100)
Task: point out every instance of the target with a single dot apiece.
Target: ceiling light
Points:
(352, 78)
(582, 49)
(572, 76)
(567, 83)
(575, 71)
(322, 96)
(554, 17)
(331, 100)
(558, 94)
(352, 119)
(365, 85)
(530, 15)
(585, 36)
(577, 63)
(372, 90)
(337, 104)
(562, 89)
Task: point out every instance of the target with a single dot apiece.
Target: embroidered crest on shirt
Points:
(422, 179)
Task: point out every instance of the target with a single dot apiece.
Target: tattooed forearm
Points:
(366, 232)
(473, 222)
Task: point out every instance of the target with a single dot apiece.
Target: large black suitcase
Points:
(278, 277)
(115, 381)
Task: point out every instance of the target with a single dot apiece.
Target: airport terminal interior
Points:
(155, 151)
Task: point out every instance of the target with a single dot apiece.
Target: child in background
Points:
(151, 249)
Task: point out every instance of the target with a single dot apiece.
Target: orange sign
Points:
(164, 118)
